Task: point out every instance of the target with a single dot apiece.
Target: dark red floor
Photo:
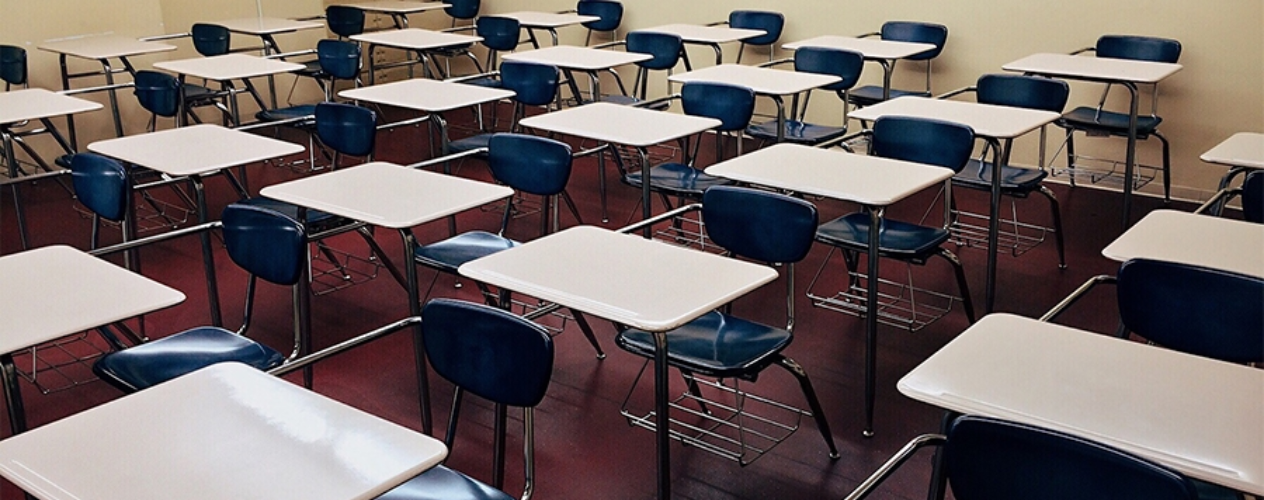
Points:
(585, 449)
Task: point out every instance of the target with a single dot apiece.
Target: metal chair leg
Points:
(1167, 168)
(1057, 225)
(960, 271)
(818, 413)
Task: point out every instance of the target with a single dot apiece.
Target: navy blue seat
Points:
(532, 84)
(344, 21)
(211, 39)
(462, 10)
(1022, 92)
(844, 64)
(930, 142)
(609, 15)
(103, 186)
(159, 93)
(771, 23)
(665, 50)
(13, 66)
(497, 356)
(990, 459)
(1253, 197)
(905, 31)
(264, 243)
(1100, 121)
(732, 106)
(761, 226)
(335, 60)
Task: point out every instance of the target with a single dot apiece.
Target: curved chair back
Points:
(338, 58)
(1139, 48)
(13, 65)
(347, 128)
(101, 184)
(845, 64)
(664, 47)
(919, 140)
(1253, 197)
(1197, 310)
(211, 39)
(731, 104)
(265, 243)
(533, 84)
(158, 93)
(462, 9)
(489, 352)
(770, 22)
(344, 21)
(531, 164)
(499, 33)
(911, 31)
(759, 225)
(1021, 91)
(988, 459)
(610, 13)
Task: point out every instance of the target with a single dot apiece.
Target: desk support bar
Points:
(346, 345)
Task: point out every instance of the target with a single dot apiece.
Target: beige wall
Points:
(1220, 91)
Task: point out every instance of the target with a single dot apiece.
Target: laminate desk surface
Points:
(104, 47)
(1243, 149)
(695, 33)
(616, 124)
(1094, 68)
(427, 95)
(871, 48)
(226, 431)
(398, 6)
(387, 195)
(1001, 122)
(578, 58)
(765, 81)
(227, 67)
(535, 19)
(32, 104)
(1197, 415)
(1201, 240)
(415, 39)
(194, 150)
(268, 25)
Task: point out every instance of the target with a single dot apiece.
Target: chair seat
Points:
(152, 363)
(872, 94)
(449, 254)
(469, 143)
(193, 92)
(442, 483)
(677, 179)
(65, 160)
(316, 220)
(489, 82)
(287, 113)
(716, 345)
(310, 69)
(1087, 118)
(797, 132)
(1014, 180)
(896, 239)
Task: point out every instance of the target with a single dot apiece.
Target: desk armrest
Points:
(958, 92)
(894, 463)
(778, 62)
(457, 29)
(344, 346)
(1083, 50)
(659, 218)
(867, 35)
(475, 76)
(610, 45)
(171, 36)
(1076, 295)
(718, 23)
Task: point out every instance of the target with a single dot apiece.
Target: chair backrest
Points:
(912, 31)
(1253, 197)
(265, 243)
(157, 92)
(530, 164)
(989, 459)
(487, 351)
(344, 21)
(845, 64)
(770, 22)
(101, 184)
(919, 140)
(12, 65)
(1139, 48)
(731, 104)
(347, 128)
(339, 59)
(211, 39)
(462, 9)
(759, 225)
(1197, 310)
(499, 33)
(1021, 91)
(664, 47)
(610, 13)
(533, 84)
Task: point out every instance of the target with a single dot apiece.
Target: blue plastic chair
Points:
(532, 84)
(344, 21)
(335, 60)
(760, 226)
(990, 459)
(103, 186)
(13, 66)
(916, 140)
(733, 106)
(211, 39)
(497, 356)
(463, 10)
(844, 64)
(262, 242)
(1022, 92)
(905, 31)
(610, 13)
(665, 50)
(159, 93)
(1098, 121)
(770, 22)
